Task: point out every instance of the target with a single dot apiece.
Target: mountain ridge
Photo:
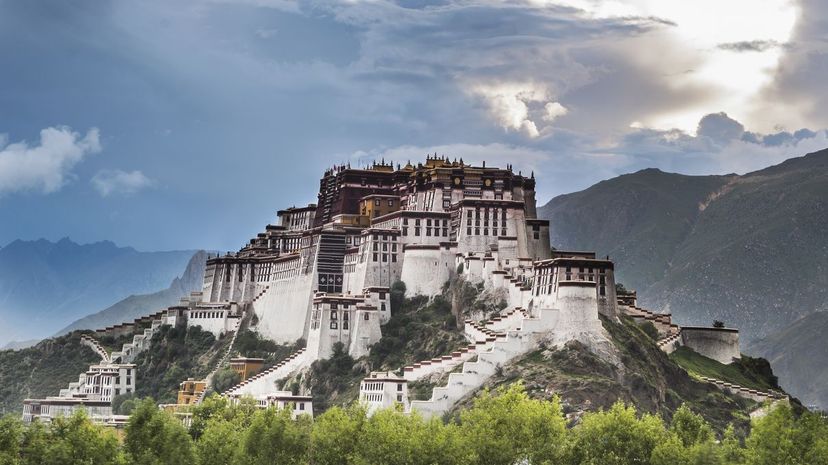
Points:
(135, 306)
(749, 250)
(44, 285)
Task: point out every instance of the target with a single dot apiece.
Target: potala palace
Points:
(323, 274)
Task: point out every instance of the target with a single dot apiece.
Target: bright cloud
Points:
(108, 182)
(514, 105)
(46, 166)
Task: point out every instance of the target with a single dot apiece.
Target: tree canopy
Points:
(503, 427)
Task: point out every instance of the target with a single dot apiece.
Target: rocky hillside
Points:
(41, 370)
(46, 285)
(136, 306)
(798, 353)
(749, 250)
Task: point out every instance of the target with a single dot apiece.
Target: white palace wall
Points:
(283, 309)
(426, 269)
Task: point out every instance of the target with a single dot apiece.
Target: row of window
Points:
(485, 231)
(207, 314)
(385, 257)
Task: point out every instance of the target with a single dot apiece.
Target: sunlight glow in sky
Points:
(701, 29)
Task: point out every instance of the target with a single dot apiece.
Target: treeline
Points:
(506, 428)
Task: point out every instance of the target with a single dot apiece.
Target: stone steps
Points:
(95, 346)
(742, 391)
(474, 374)
(263, 382)
(222, 361)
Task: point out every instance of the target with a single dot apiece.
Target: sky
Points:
(180, 125)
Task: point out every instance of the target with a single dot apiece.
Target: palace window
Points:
(334, 325)
(333, 314)
(375, 257)
(377, 202)
(390, 203)
(344, 325)
(367, 317)
(393, 257)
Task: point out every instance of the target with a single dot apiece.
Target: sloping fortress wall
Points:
(720, 344)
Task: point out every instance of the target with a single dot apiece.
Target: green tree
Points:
(155, 437)
(224, 379)
(391, 436)
(216, 407)
(772, 439)
(35, 444)
(273, 437)
(75, 440)
(510, 427)
(124, 404)
(11, 436)
(732, 451)
(332, 438)
(616, 437)
(690, 428)
(219, 442)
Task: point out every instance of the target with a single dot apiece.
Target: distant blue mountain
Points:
(46, 285)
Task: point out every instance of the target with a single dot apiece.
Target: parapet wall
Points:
(720, 344)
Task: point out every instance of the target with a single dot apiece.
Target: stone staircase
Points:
(482, 337)
(226, 356)
(96, 346)
(742, 391)
(502, 348)
(140, 342)
(264, 382)
(670, 332)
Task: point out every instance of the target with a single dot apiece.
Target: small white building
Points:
(298, 405)
(383, 390)
(93, 392)
(216, 318)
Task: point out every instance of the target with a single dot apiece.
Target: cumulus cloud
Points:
(553, 110)
(108, 182)
(566, 162)
(720, 128)
(520, 106)
(46, 166)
